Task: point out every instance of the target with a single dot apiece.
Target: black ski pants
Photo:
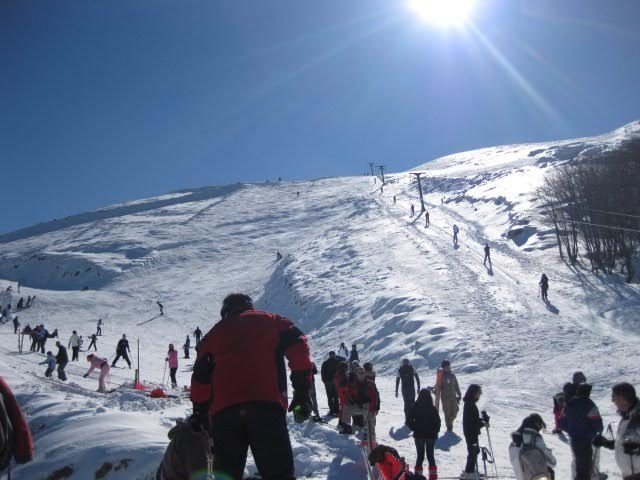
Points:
(61, 373)
(186, 352)
(93, 344)
(472, 454)
(425, 445)
(261, 426)
(409, 397)
(123, 355)
(332, 397)
(583, 457)
(74, 356)
(172, 374)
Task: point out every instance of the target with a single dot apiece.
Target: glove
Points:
(601, 441)
(300, 405)
(85, 375)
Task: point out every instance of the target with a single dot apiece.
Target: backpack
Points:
(534, 465)
(6, 437)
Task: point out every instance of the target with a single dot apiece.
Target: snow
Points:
(357, 269)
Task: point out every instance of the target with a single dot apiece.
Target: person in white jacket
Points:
(74, 344)
(627, 442)
(529, 434)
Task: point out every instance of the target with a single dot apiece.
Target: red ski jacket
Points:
(22, 447)
(241, 359)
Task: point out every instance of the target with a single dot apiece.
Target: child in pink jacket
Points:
(103, 365)
(172, 358)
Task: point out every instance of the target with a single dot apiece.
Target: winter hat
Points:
(624, 390)
(446, 363)
(235, 303)
(171, 346)
(578, 377)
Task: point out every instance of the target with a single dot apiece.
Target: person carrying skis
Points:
(406, 375)
(62, 358)
(50, 362)
(544, 287)
(530, 457)
(99, 327)
(582, 421)
(328, 371)
(448, 391)
(241, 359)
(424, 421)
(172, 358)
(94, 339)
(472, 425)
(122, 350)
(74, 344)
(198, 334)
(354, 356)
(343, 353)
(455, 233)
(103, 365)
(627, 441)
(160, 307)
(487, 253)
(187, 346)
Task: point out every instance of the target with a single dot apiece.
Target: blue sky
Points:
(105, 101)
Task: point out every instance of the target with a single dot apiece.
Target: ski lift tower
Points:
(371, 165)
(382, 167)
(417, 174)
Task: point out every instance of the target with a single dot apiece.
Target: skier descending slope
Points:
(241, 359)
(530, 457)
(406, 374)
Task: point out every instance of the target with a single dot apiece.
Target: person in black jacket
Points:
(353, 355)
(406, 374)
(62, 358)
(327, 373)
(424, 421)
(471, 426)
(121, 351)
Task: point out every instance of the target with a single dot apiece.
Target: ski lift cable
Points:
(602, 211)
(602, 226)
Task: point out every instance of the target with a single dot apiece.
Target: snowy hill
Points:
(356, 268)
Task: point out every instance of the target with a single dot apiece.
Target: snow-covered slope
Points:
(357, 268)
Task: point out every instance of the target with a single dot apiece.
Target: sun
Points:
(443, 13)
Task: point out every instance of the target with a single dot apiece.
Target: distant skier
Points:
(406, 376)
(99, 327)
(187, 346)
(544, 287)
(19, 285)
(198, 334)
(62, 358)
(94, 339)
(160, 307)
(381, 190)
(413, 210)
(426, 218)
(448, 391)
(455, 233)
(424, 421)
(29, 300)
(50, 362)
(172, 358)
(354, 356)
(394, 199)
(528, 445)
(472, 425)
(328, 371)
(16, 325)
(278, 256)
(20, 305)
(122, 350)
(297, 193)
(343, 353)
(74, 344)
(103, 365)
(487, 253)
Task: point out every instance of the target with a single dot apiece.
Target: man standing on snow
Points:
(328, 372)
(198, 334)
(239, 382)
(187, 346)
(99, 327)
(62, 358)
(94, 339)
(449, 393)
(354, 356)
(544, 287)
(121, 351)
(455, 234)
(74, 344)
(406, 374)
(487, 253)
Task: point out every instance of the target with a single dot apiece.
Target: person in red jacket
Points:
(21, 446)
(239, 383)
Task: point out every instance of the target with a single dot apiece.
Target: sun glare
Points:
(443, 13)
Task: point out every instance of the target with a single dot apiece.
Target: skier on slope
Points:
(455, 234)
(172, 358)
(103, 365)
(582, 421)
(406, 375)
(448, 391)
(62, 358)
(544, 287)
(472, 425)
(99, 327)
(413, 210)
(122, 350)
(343, 353)
(241, 359)
(627, 441)
(198, 334)
(328, 371)
(94, 339)
(187, 346)
(487, 253)
(50, 362)
(530, 457)
(74, 344)
(426, 218)
(161, 307)
(424, 421)
(16, 324)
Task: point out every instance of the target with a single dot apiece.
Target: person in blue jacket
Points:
(50, 362)
(581, 419)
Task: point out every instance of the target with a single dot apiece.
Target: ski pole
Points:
(165, 372)
(495, 467)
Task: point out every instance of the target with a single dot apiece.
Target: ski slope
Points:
(356, 268)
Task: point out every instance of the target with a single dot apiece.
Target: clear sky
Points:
(110, 100)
